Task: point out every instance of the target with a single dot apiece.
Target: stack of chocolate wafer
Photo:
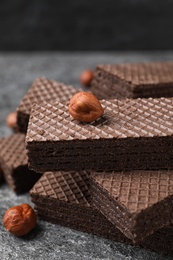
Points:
(13, 156)
(112, 177)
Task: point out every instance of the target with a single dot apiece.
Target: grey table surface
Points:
(48, 241)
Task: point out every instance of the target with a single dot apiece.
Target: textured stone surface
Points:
(47, 241)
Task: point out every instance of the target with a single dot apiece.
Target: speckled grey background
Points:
(48, 241)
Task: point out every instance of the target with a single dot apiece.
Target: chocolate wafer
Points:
(13, 161)
(132, 134)
(136, 80)
(41, 90)
(136, 202)
(64, 198)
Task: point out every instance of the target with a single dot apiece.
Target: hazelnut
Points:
(85, 107)
(11, 119)
(19, 220)
(86, 77)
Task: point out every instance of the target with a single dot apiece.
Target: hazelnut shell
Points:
(86, 77)
(85, 107)
(11, 120)
(19, 220)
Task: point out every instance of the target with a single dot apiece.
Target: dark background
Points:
(86, 25)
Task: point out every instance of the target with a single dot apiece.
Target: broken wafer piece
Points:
(132, 134)
(64, 198)
(137, 202)
(14, 164)
(41, 90)
(133, 80)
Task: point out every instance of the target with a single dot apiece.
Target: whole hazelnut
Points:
(85, 107)
(11, 120)
(86, 77)
(19, 220)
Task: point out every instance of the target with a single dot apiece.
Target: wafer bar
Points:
(133, 134)
(64, 198)
(133, 80)
(41, 90)
(137, 202)
(13, 161)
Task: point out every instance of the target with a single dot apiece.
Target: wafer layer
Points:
(136, 202)
(133, 80)
(64, 198)
(42, 90)
(132, 134)
(13, 161)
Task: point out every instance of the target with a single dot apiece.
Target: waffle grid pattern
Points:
(142, 73)
(96, 225)
(12, 150)
(137, 190)
(83, 215)
(72, 187)
(122, 119)
(45, 90)
(133, 81)
(108, 87)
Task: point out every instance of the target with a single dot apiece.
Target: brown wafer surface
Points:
(14, 163)
(64, 198)
(42, 90)
(71, 187)
(122, 119)
(131, 129)
(136, 202)
(12, 146)
(142, 73)
(134, 80)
